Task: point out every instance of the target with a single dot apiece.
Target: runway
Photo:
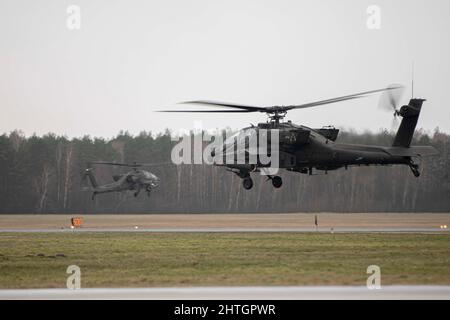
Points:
(234, 230)
(255, 222)
(238, 293)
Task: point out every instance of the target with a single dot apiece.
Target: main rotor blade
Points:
(134, 165)
(156, 164)
(114, 164)
(224, 104)
(339, 99)
(240, 108)
(209, 111)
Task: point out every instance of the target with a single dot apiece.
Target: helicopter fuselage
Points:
(135, 180)
(305, 150)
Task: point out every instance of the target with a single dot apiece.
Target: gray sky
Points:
(133, 57)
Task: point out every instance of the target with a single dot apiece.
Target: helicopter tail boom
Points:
(415, 151)
(91, 177)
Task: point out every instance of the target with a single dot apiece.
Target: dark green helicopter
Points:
(134, 180)
(303, 149)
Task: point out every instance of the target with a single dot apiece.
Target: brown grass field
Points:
(143, 259)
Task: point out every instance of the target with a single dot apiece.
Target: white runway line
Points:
(236, 230)
(237, 293)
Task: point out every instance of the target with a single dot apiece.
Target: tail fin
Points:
(410, 114)
(91, 177)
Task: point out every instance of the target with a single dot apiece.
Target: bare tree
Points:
(41, 186)
(69, 160)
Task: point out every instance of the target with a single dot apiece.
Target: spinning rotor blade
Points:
(239, 108)
(113, 164)
(157, 164)
(394, 123)
(339, 99)
(225, 104)
(208, 111)
(134, 165)
(390, 100)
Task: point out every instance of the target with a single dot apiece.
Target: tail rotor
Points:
(390, 101)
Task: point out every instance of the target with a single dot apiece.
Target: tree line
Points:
(44, 174)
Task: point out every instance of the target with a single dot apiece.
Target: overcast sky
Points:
(130, 58)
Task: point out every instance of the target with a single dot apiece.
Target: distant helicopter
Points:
(135, 180)
(303, 149)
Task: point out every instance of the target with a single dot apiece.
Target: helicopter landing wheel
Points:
(247, 183)
(277, 182)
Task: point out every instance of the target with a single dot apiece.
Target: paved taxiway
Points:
(231, 230)
(239, 293)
